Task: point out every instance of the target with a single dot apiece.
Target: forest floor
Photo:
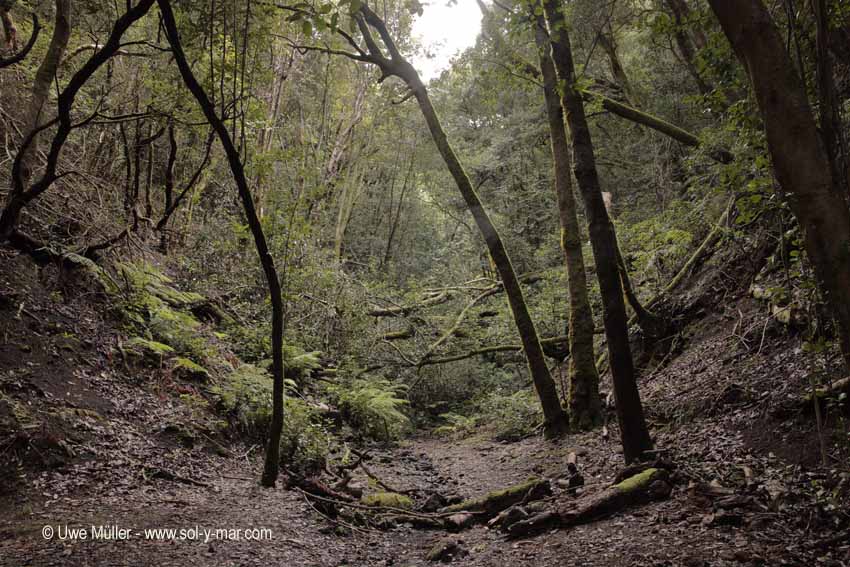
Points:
(109, 447)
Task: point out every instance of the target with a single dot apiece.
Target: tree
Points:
(44, 77)
(633, 430)
(272, 461)
(23, 192)
(585, 407)
(800, 161)
(555, 419)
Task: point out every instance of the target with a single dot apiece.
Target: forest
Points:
(298, 283)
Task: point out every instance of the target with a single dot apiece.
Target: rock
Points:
(458, 522)
(433, 503)
(446, 550)
(355, 489)
(187, 369)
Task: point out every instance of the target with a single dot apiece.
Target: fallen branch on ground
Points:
(646, 486)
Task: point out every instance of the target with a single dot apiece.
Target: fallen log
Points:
(651, 484)
(494, 502)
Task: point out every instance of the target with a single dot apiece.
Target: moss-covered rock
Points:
(147, 348)
(189, 370)
(388, 500)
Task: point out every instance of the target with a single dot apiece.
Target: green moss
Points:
(190, 369)
(637, 481)
(498, 500)
(144, 346)
(387, 500)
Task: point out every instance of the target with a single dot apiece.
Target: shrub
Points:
(512, 416)
(246, 395)
(374, 407)
(454, 423)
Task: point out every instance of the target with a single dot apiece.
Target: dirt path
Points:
(665, 533)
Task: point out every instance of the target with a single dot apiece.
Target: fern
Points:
(374, 406)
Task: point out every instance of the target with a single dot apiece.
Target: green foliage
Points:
(305, 442)
(512, 416)
(246, 396)
(149, 303)
(455, 423)
(373, 406)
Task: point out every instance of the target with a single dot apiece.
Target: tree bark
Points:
(828, 104)
(584, 404)
(44, 78)
(20, 55)
(633, 430)
(272, 462)
(800, 161)
(9, 29)
(555, 418)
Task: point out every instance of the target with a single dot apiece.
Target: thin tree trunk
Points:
(553, 413)
(687, 43)
(394, 226)
(830, 114)
(272, 463)
(799, 159)
(606, 41)
(44, 78)
(633, 430)
(585, 406)
(169, 186)
(9, 30)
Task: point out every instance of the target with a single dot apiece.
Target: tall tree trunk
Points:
(272, 463)
(799, 158)
(682, 13)
(555, 419)
(633, 430)
(585, 407)
(397, 217)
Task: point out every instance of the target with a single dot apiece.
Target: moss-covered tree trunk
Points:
(272, 462)
(633, 430)
(585, 407)
(800, 161)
